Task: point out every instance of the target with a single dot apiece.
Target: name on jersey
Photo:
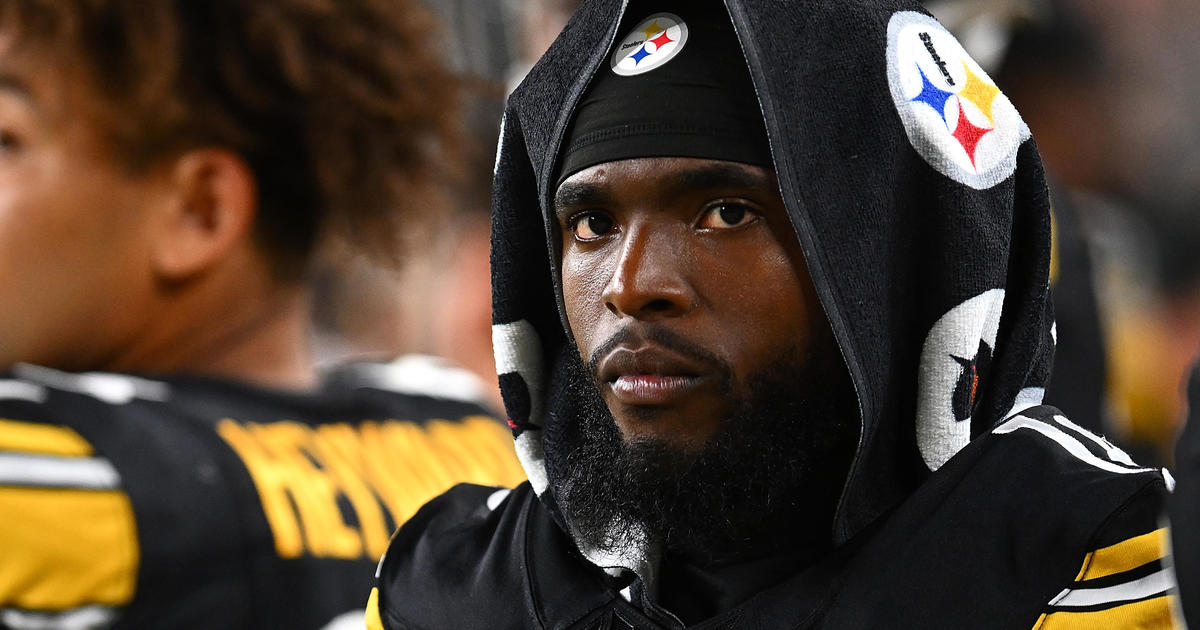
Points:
(339, 490)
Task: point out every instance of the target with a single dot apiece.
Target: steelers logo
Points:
(955, 116)
(652, 43)
(954, 367)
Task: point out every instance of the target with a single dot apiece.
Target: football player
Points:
(773, 325)
(169, 457)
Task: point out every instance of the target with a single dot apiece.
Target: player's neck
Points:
(270, 348)
(254, 331)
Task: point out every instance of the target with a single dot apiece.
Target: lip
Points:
(650, 375)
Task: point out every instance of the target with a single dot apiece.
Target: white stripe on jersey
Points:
(12, 389)
(1114, 453)
(1070, 444)
(85, 618)
(114, 389)
(1141, 588)
(47, 471)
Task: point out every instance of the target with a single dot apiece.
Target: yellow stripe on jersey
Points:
(1149, 614)
(1125, 555)
(68, 548)
(42, 439)
(373, 620)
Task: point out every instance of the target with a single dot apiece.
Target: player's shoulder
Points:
(454, 531)
(1044, 439)
(62, 498)
(459, 562)
(54, 425)
(1041, 464)
(1056, 485)
(39, 392)
(1120, 577)
(1069, 522)
(1092, 492)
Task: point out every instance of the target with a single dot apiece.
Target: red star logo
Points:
(968, 135)
(661, 40)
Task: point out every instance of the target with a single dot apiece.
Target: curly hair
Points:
(340, 107)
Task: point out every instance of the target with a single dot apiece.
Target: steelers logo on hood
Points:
(954, 362)
(955, 116)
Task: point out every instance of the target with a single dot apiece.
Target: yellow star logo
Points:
(980, 93)
(652, 30)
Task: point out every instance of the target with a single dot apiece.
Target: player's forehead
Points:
(673, 175)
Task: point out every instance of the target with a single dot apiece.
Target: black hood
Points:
(915, 191)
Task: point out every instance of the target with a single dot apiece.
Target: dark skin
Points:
(155, 270)
(701, 251)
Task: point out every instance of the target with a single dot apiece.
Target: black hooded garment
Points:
(919, 201)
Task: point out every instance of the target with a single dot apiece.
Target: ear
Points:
(213, 204)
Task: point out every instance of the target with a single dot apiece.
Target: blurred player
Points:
(169, 458)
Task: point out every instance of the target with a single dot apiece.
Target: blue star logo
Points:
(639, 55)
(933, 96)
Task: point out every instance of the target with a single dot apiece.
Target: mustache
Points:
(660, 336)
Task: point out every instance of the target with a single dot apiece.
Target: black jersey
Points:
(166, 503)
(1039, 525)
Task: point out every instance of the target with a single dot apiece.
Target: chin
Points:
(678, 434)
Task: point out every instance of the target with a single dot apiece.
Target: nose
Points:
(650, 279)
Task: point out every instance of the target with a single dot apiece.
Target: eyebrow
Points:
(713, 176)
(708, 177)
(576, 194)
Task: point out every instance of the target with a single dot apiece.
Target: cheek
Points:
(35, 234)
(584, 278)
(765, 305)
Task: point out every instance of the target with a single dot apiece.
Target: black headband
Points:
(675, 84)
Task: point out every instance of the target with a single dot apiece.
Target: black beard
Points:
(767, 483)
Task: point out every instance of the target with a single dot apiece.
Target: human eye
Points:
(589, 226)
(726, 215)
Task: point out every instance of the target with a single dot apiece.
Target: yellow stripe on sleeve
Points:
(1150, 614)
(373, 620)
(63, 549)
(1125, 555)
(43, 439)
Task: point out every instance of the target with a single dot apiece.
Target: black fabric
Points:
(944, 559)
(700, 103)
(208, 555)
(696, 593)
(1185, 506)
